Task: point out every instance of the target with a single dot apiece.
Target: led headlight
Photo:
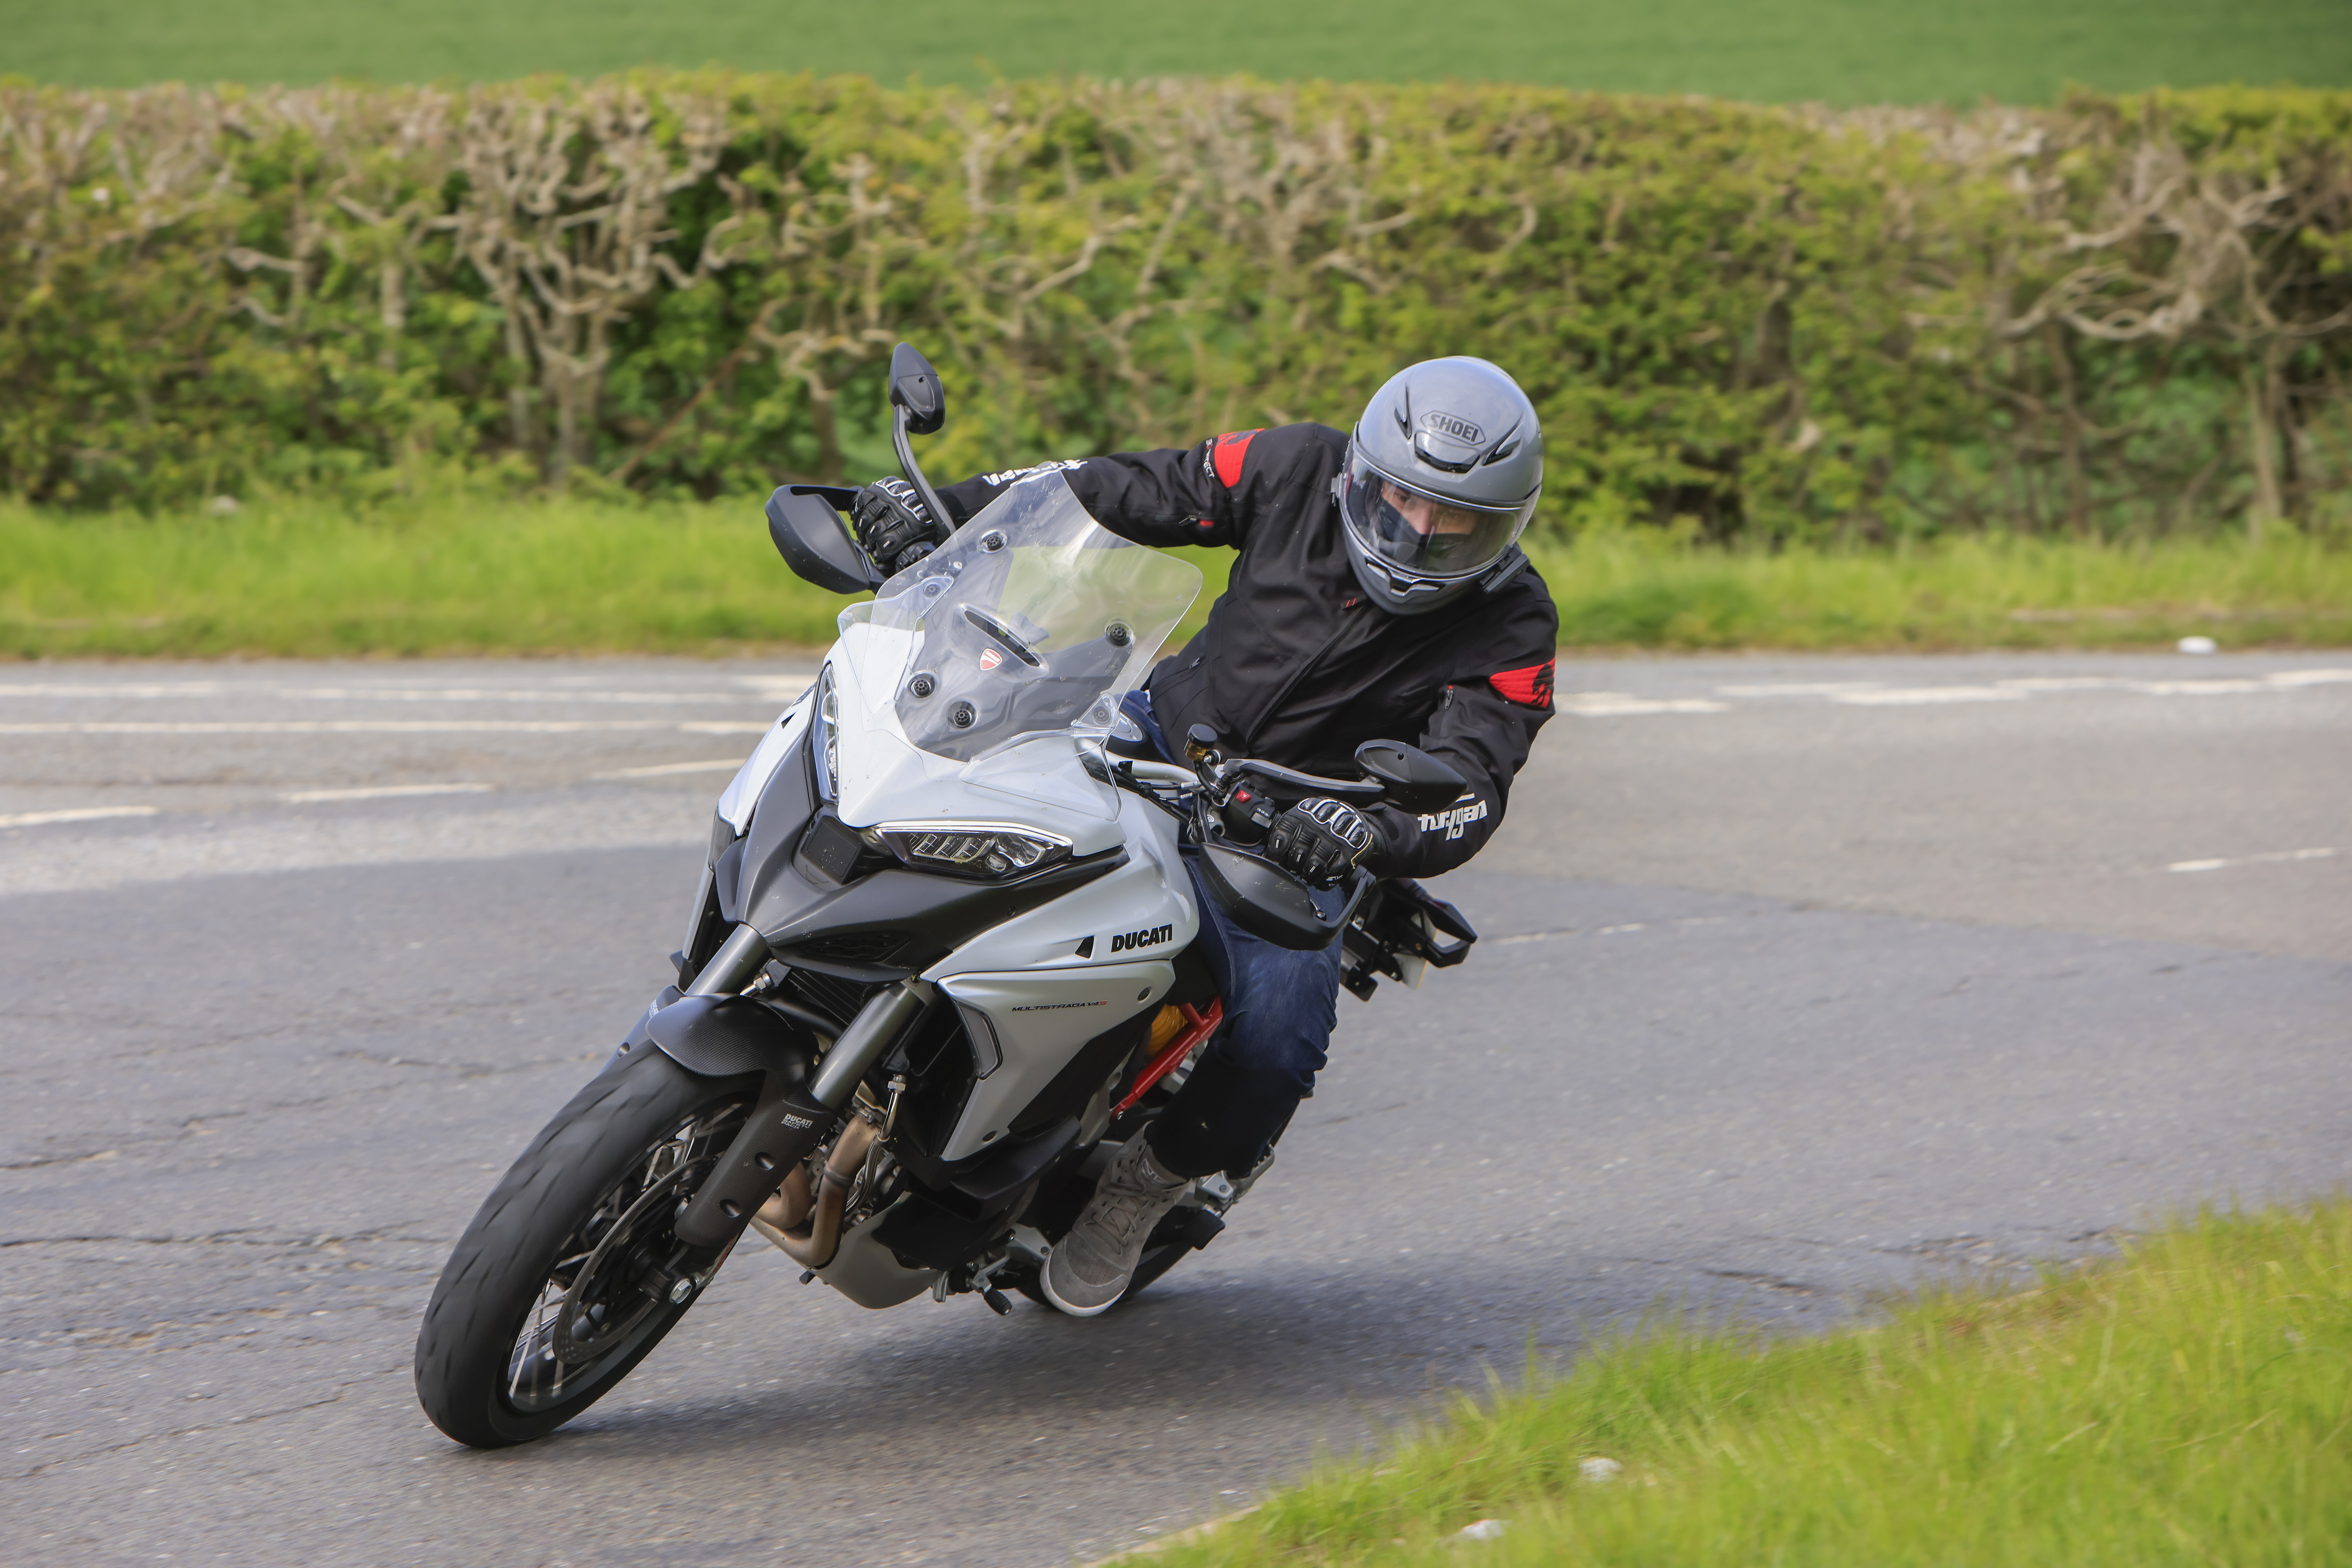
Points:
(828, 736)
(985, 851)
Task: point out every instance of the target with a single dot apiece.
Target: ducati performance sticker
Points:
(1128, 941)
(1454, 821)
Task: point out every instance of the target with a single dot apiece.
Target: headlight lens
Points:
(984, 850)
(828, 736)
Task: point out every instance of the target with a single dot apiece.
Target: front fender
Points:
(722, 1037)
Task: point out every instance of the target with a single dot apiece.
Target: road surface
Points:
(1801, 978)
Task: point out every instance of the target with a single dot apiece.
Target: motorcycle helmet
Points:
(1442, 476)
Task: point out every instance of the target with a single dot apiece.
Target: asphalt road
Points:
(1801, 978)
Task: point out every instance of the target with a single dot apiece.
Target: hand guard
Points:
(894, 526)
(1319, 841)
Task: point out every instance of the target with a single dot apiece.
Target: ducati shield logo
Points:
(1128, 941)
(990, 658)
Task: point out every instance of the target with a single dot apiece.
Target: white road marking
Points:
(2273, 857)
(2222, 687)
(788, 687)
(1912, 696)
(379, 792)
(1624, 705)
(1878, 694)
(376, 727)
(81, 814)
(716, 764)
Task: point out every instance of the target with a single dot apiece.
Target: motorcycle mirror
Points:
(1410, 777)
(915, 388)
(805, 520)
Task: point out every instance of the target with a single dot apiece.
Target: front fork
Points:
(785, 1128)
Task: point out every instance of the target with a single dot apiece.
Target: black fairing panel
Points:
(777, 824)
(720, 1037)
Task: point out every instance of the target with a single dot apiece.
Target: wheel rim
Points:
(608, 1290)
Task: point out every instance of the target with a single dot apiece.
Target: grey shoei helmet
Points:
(1442, 476)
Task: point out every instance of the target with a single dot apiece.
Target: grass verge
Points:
(549, 576)
(2188, 1404)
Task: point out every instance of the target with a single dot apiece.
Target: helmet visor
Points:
(1423, 535)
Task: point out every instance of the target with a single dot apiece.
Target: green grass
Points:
(1837, 51)
(542, 577)
(2190, 1404)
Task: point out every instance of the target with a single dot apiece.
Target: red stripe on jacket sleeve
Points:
(1531, 686)
(1227, 452)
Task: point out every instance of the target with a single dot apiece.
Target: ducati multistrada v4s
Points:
(936, 971)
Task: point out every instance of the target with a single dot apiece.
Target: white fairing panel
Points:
(752, 777)
(1143, 910)
(1040, 1020)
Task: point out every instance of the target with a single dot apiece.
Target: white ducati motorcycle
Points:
(938, 969)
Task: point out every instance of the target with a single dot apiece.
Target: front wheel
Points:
(573, 1271)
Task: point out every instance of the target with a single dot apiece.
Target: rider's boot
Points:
(1089, 1269)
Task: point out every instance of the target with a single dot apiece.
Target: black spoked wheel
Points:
(573, 1271)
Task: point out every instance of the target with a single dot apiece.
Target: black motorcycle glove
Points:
(1319, 841)
(894, 526)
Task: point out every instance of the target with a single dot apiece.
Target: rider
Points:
(1379, 592)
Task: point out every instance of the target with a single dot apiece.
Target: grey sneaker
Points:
(1088, 1268)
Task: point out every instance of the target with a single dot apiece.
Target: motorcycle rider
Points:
(1379, 592)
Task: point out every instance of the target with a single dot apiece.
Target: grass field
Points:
(2190, 1404)
(549, 576)
(1837, 51)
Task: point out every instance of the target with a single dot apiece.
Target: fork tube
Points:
(743, 956)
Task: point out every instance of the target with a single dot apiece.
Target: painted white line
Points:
(1624, 705)
(83, 814)
(2061, 682)
(1533, 936)
(380, 792)
(2309, 677)
(716, 764)
(2198, 688)
(723, 727)
(1916, 695)
(1800, 689)
(787, 687)
(375, 727)
(2273, 858)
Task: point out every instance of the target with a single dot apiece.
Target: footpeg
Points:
(996, 1302)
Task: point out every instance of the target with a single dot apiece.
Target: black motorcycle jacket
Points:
(1294, 665)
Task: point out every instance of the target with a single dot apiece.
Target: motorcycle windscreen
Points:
(1033, 619)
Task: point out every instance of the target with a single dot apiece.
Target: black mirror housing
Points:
(805, 520)
(1411, 779)
(915, 388)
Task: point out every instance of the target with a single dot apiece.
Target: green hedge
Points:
(2123, 315)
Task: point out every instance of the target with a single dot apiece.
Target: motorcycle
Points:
(940, 964)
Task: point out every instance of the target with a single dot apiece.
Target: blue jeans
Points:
(1280, 1009)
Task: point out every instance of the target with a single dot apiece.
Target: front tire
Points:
(571, 1272)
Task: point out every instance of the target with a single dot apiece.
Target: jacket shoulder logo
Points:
(1224, 456)
(1128, 941)
(1530, 687)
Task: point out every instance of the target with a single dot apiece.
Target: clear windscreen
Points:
(1031, 619)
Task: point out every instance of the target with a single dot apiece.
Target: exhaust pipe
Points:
(813, 1244)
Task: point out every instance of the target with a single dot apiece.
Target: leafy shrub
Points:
(2121, 315)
